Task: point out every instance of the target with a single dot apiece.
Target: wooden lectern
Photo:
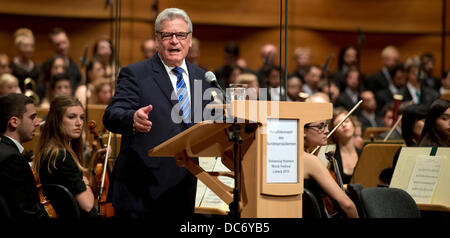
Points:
(265, 191)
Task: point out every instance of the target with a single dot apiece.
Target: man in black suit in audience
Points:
(368, 116)
(398, 87)
(382, 79)
(18, 123)
(60, 43)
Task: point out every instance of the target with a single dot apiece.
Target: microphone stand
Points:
(361, 40)
(235, 136)
(422, 82)
(116, 55)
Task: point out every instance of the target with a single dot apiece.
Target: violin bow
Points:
(393, 128)
(105, 165)
(339, 124)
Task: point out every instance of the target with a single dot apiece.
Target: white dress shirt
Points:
(173, 76)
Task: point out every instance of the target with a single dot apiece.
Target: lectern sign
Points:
(282, 151)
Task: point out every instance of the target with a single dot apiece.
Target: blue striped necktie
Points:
(182, 94)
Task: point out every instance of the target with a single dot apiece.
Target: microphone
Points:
(211, 79)
(325, 66)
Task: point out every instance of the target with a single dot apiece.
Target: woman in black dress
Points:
(60, 153)
(316, 177)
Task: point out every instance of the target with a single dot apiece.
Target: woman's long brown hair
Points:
(53, 139)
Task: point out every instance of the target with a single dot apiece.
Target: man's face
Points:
(390, 59)
(313, 77)
(60, 44)
(26, 47)
(399, 79)
(28, 124)
(369, 103)
(173, 50)
(62, 87)
(294, 86)
(353, 80)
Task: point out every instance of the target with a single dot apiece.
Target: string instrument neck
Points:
(42, 198)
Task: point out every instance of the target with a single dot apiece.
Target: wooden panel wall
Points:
(325, 26)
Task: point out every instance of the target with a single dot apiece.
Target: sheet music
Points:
(323, 150)
(206, 197)
(424, 177)
(207, 164)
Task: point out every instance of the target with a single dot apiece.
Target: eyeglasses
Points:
(169, 35)
(321, 127)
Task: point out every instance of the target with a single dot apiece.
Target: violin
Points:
(332, 209)
(102, 172)
(46, 203)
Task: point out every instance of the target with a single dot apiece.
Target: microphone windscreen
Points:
(210, 77)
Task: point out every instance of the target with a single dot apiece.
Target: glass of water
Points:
(237, 91)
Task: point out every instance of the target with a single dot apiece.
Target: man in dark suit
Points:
(146, 111)
(18, 122)
(60, 43)
(350, 96)
(368, 117)
(398, 87)
(382, 79)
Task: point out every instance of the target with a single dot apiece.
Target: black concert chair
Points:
(4, 210)
(387, 203)
(354, 192)
(310, 207)
(62, 200)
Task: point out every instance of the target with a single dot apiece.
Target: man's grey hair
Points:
(170, 14)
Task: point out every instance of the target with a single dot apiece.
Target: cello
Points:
(102, 171)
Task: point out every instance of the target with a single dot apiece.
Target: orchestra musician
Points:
(346, 153)
(59, 159)
(317, 178)
(18, 123)
(436, 131)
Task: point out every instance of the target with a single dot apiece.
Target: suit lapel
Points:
(162, 79)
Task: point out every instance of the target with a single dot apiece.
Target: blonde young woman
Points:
(317, 178)
(60, 152)
(346, 153)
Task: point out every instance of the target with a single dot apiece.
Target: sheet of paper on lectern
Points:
(205, 197)
(207, 164)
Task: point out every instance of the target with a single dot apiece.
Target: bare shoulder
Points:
(310, 164)
(310, 158)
